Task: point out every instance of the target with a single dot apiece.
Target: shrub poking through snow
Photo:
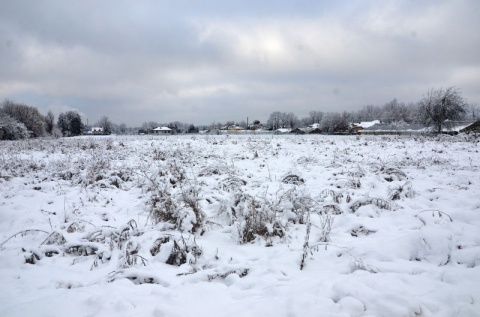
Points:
(231, 184)
(193, 223)
(392, 174)
(325, 226)
(361, 231)
(81, 249)
(326, 223)
(336, 197)
(163, 207)
(32, 257)
(256, 218)
(293, 179)
(401, 191)
(437, 216)
(240, 272)
(102, 257)
(301, 205)
(23, 233)
(176, 251)
(131, 260)
(378, 202)
(55, 238)
(331, 209)
(135, 276)
(184, 252)
(157, 245)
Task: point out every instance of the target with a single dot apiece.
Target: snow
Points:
(403, 213)
(368, 124)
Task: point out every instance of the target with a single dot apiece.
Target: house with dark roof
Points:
(162, 130)
(96, 131)
(395, 128)
(473, 127)
(404, 128)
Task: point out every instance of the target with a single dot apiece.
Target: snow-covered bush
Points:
(11, 129)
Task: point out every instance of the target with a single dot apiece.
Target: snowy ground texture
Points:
(240, 226)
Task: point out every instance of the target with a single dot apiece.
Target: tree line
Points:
(437, 109)
(21, 121)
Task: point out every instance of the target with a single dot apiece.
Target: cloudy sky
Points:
(217, 60)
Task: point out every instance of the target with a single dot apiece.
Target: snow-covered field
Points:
(222, 225)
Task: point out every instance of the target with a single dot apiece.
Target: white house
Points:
(96, 130)
(162, 130)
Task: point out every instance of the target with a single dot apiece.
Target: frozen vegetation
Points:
(240, 226)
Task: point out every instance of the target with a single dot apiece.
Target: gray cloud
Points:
(216, 60)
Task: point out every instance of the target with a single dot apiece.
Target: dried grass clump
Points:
(135, 276)
(301, 206)
(55, 238)
(307, 160)
(102, 257)
(184, 251)
(132, 260)
(336, 197)
(240, 272)
(378, 202)
(437, 216)
(391, 174)
(163, 207)
(81, 249)
(361, 231)
(401, 191)
(157, 245)
(331, 209)
(293, 179)
(213, 170)
(23, 233)
(256, 218)
(231, 184)
(179, 250)
(32, 258)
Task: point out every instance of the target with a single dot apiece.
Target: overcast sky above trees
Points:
(205, 61)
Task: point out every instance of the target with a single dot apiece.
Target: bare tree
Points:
(242, 124)
(215, 126)
(440, 107)
(229, 123)
(105, 124)
(315, 116)
(275, 120)
(306, 121)
(472, 112)
(49, 122)
(290, 120)
(369, 113)
(395, 111)
(335, 122)
(122, 128)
